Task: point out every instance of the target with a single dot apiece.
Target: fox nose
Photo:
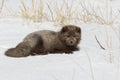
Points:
(71, 42)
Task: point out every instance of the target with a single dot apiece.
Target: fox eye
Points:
(68, 36)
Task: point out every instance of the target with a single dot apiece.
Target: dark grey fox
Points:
(45, 41)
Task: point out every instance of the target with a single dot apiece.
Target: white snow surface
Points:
(89, 63)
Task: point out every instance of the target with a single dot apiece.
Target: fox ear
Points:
(64, 29)
(78, 29)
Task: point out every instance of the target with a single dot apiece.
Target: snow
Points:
(56, 66)
(89, 63)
